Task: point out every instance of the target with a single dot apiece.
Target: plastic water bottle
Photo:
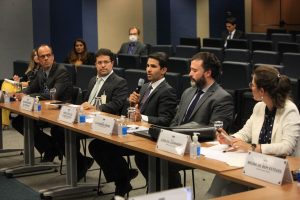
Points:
(37, 107)
(195, 147)
(6, 97)
(122, 127)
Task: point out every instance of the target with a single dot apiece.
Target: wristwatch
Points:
(253, 146)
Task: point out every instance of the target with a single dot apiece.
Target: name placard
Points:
(67, 114)
(172, 142)
(268, 168)
(27, 103)
(103, 124)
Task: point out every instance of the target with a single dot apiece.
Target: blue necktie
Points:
(192, 106)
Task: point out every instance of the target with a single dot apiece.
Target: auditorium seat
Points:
(119, 71)
(280, 68)
(84, 74)
(185, 51)
(128, 61)
(213, 42)
(20, 67)
(185, 82)
(236, 75)
(71, 69)
(190, 41)
(291, 61)
(237, 55)
(132, 76)
(215, 50)
(271, 31)
(143, 62)
(179, 65)
(298, 38)
(174, 79)
(280, 37)
(291, 47)
(255, 36)
(265, 57)
(168, 49)
(265, 45)
(237, 44)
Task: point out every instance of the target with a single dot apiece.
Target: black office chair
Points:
(280, 37)
(255, 36)
(190, 41)
(84, 74)
(213, 42)
(20, 67)
(128, 61)
(72, 70)
(237, 44)
(237, 55)
(185, 51)
(132, 76)
(174, 79)
(179, 65)
(265, 57)
(264, 45)
(291, 61)
(291, 47)
(271, 31)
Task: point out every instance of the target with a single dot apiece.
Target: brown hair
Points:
(32, 65)
(277, 85)
(74, 55)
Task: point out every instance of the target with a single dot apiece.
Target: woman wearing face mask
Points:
(80, 55)
(133, 47)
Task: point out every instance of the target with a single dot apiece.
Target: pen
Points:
(228, 149)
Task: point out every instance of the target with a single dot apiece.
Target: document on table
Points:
(236, 159)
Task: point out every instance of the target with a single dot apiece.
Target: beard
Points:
(198, 83)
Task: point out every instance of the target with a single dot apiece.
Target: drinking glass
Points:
(52, 93)
(218, 124)
(131, 114)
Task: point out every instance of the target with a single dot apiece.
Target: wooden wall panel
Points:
(291, 14)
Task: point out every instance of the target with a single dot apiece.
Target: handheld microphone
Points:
(140, 84)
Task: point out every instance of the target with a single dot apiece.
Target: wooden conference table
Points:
(148, 147)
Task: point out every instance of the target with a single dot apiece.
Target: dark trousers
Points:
(110, 158)
(42, 141)
(141, 161)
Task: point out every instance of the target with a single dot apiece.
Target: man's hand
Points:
(86, 106)
(134, 98)
(19, 96)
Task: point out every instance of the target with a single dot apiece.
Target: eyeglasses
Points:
(103, 62)
(46, 55)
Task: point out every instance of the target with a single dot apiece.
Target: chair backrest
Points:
(236, 75)
(185, 82)
(218, 51)
(237, 55)
(298, 38)
(265, 57)
(265, 45)
(20, 67)
(284, 47)
(77, 96)
(72, 70)
(168, 49)
(185, 51)
(280, 37)
(179, 65)
(291, 61)
(128, 61)
(213, 42)
(84, 74)
(255, 36)
(237, 44)
(190, 41)
(119, 71)
(143, 62)
(271, 31)
(132, 76)
(174, 79)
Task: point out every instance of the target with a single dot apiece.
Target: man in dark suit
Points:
(231, 32)
(106, 83)
(155, 104)
(51, 75)
(134, 47)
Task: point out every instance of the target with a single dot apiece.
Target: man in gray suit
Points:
(134, 47)
(206, 101)
(203, 103)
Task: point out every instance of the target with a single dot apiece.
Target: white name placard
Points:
(27, 103)
(268, 168)
(172, 142)
(68, 114)
(103, 124)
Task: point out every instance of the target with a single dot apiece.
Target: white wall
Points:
(202, 19)
(16, 37)
(114, 19)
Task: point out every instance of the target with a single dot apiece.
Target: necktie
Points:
(95, 91)
(45, 86)
(228, 38)
(130, 48)
(192, 106)
(145, 97)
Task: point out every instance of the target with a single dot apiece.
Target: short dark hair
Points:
(134, 27)
(105, 52)
(277, 85)
(162, 58)
(210, 62)
(231, 20)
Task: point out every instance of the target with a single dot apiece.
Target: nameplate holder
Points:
(268, 168)
(103, 124)
(27, 103)
(68, 114)
(172, 142)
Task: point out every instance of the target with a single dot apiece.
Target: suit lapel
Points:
(152, 93)
(106, 84)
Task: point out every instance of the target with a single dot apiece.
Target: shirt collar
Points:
(105, 77)
(157, 83)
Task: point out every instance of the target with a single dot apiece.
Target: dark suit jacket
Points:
(116, 92)
(140, 49)
(237, 35)
(160, 105)
(58, 78)
(216, 104)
